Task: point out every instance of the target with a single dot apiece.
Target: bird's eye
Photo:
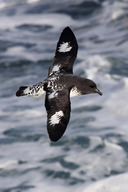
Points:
(92, 86)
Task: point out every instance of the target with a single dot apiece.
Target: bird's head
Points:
(91, 87)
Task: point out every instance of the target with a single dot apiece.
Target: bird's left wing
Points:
(58, 109)
(66, 52)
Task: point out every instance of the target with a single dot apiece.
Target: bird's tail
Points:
(35, 90)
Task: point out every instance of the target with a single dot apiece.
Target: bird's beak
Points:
(98, 91)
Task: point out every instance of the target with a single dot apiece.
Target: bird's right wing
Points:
(58, 109)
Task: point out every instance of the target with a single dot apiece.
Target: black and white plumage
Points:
(60, 85)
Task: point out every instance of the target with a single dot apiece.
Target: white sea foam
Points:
(2, 5)
(116, 183)
(32, 1)
(54, 20)
(16, 51)
(89, 161)
(118, 9)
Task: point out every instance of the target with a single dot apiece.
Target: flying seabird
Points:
(60, 85)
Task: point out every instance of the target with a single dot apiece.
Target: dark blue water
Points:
(93, 153)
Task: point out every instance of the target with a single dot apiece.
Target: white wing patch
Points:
(55, 119)
(40, 93)
(56, 68)
(64, 47)
(52, 95)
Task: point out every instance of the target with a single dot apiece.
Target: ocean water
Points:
(92, 156)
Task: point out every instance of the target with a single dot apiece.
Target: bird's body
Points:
(60, 85)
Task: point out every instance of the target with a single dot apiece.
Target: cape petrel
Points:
(60, 85)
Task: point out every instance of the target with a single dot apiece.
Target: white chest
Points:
(74, 92)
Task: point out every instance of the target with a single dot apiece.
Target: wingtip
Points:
(54, 136)
(53, 139)
(20, 91)
(67, 36)
(57, 131)
(67, 29)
